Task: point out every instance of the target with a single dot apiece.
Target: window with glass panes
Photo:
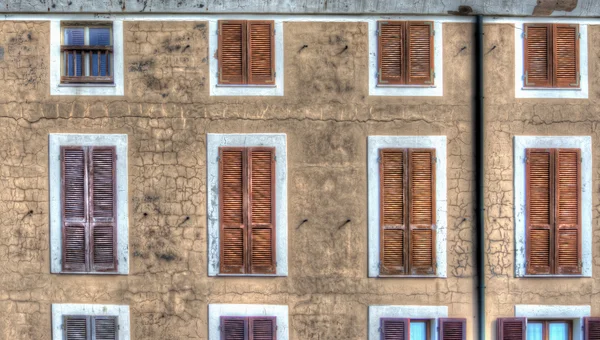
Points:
(548, 330)
(87, 53)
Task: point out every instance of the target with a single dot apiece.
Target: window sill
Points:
(410, 276)
(89, 273)
(400, 86)
(246, 86)
(250, 275)
(551, 88)
(87, 85)
(555, 276)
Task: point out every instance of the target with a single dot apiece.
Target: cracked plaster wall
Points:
(166, 111)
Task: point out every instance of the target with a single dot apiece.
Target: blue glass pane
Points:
(534, 331)
(418, 330)
(558, 331)
(74, 36)
(100, 37)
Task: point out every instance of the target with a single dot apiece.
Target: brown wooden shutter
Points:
(261, 209)
(74, 209)
(104, 328)
(419, 58)
(568, 212)
(539, 214)
(537, 59)
(395, 329)
(566, 55)
(390, 54)
(453, 329)
(262, 328)
(261, 52)
(393, 240)
(591, 328)
(232, 52)
(510, 328)
(234, 328)
(422, 211)
(76, 327)
(232, 202)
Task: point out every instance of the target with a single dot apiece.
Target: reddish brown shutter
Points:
(74, 209)
(76, 327)
(591, 328)
(537, 49)
(419, 53)
(540, 214)
(261, 209)
(510, 329)
(566, 55)
(232, 202)
(234, 328)
(232, 52)
(104, 328)
(568, 216)
(395, 329)
(393, 240)
(453, 329)
(422, 211)
(261, 52)
(391, 52)
(262, 328)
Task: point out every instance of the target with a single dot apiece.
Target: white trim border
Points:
(575, 313)
(215, 311)
(411, 312)
(120, 311)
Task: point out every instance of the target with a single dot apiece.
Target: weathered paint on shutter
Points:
(539, 210)
(262, 328)
(390, 54)
(510, 328)
(232, 202)
(419, 53)
(104, 328)
(74, 209)
(453, 329)
(566, 55)
(261, 210)
(568, 211)
(102, 186)
(392, 195)
(232, 52)
(234, 328)
(537, 59)
(261, 52)
(422, 211)
(591, 328)
(395, 329)
(76, 327)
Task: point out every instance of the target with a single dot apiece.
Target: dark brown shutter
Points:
(261, 52)
(566, 55)
(419, 53)
(261, 209)
(392, 188)
(395, 329)
(539, 214)
(103, 217)
(76, 327)
(453, 329)
(591, 328)
(232, 52)
(510, 328)
(104, 328)
(391, 52)
(537, 59)
(568, 208)
(232, 172)
(74, 209)
(422, 211)
(262, 328)
(234, 328)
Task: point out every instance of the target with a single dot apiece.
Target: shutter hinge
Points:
(377, 33)
(59, 157)
(219, 328)
(379, 329)
(378, 159)
(62, 326)
(274, 73)
(119, 327)
(432, 32)
(579, 35)
(580, 264)
(218, 75)
(275, 158)
(524, 35)
(218, 158)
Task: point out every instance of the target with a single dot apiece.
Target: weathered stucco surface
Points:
(327, 115)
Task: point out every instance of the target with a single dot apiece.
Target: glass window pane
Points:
(418, 330)
(534, 331)
(100, 37)
(74, 36)
(558, 331)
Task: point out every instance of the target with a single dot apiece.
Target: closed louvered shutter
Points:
(422, 211)
(568, 217)
(232, 196)
(232, 52)
(74, 209)
(538, 60)
(419, 53)
(234, 328)
(262, 328)
(395, 329)
(566, 55)
(453, 329)
(510, 329)
(391, 52)
(591, 328)
(104, 327)
(76, 327)
(261, 207)
(261, 56)
(393, 240)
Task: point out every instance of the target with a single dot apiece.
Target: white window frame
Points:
(115, 89)
(61, 309)
(564, 93)
(435, 90)
(276, 140)
(435, 142)
(119, 141)
(521, 143)
(557, 312)
(216, 311)
(217, 89)
(433, 313)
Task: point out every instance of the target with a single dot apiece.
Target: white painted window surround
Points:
(120, 142)
(276, 140)
(56, 88)
(379, 142)
(556, 312)
(412, 312)
(59, 310)
(437, 89)
(562, 93)
(217, 89)
(216, 311)
(584, 143)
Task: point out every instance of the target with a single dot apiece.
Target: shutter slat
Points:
(74, 183)
(537, 48)
(76, 327)
(262, 328)
(591, 328)
(392, 211)
(232, 52)
(261, 54)
(568, 230)
(105, 327)
(395, 329)
(231, 197)
(511, 328)
(566, 55)
(234, 328)
(420, 53)
(453, 329)
(391, 52)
